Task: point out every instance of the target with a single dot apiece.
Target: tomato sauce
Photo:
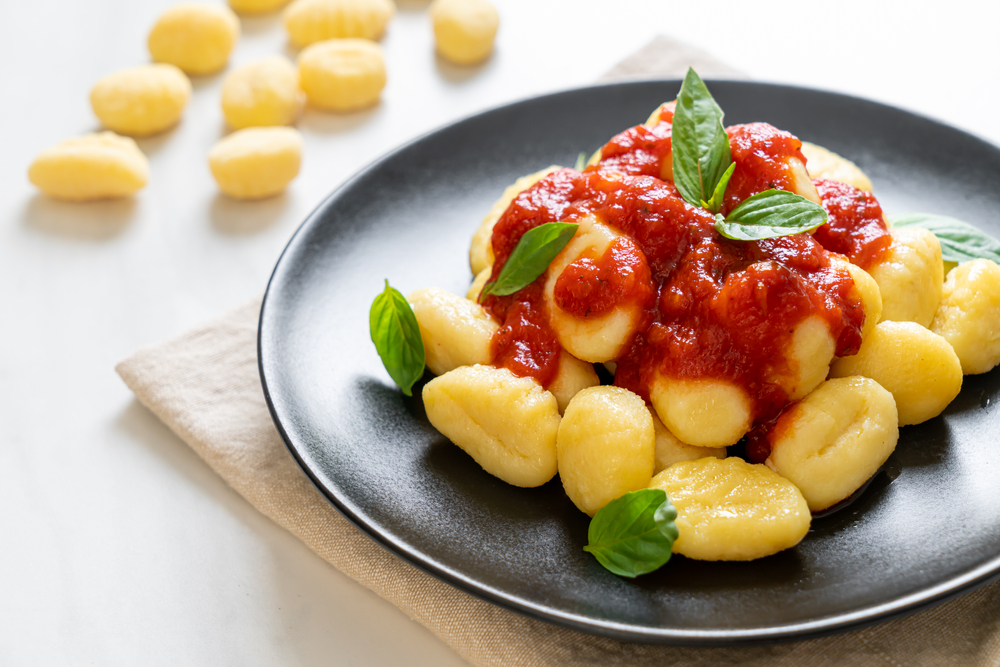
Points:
(719, 309)
(855, 226)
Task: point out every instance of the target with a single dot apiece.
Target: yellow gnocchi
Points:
(94, 166)
(262, 93)
(917, 366)
(342, 74)
(256, 162)
(141, 100)
(311, 21)
(197, 38)
(728, 509)
(606, 446)
(968, 316)
(824, 163)
(464, 30)
(670, 450)
(910, 277)
(456, 331)
(506, 423)
(256, 6)
(702, 412)
(835, 439)
(866, 291)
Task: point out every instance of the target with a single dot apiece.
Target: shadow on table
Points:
(458, 74)
(96, 220)
(234, 217)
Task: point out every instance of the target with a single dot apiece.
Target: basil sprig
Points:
(700, 145)
(532, 255)
(396, 335)
(768, 215)
(703, 165)
(960, 241)
(634, 534)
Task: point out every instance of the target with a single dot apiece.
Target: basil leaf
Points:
(396, 335)
(770, 214)
(581, 161)
(532, 255)
(715, 203)
(699, 142)
(960, 241)
(634, 534)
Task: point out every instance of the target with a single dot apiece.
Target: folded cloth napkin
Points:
(204, 385)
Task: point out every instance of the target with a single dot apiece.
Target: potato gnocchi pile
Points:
(822, 420)
(341, 68)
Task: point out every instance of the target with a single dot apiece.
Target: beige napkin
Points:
(205, 387)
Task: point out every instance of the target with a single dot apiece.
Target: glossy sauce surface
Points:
(721, 309)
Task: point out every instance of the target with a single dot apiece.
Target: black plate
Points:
(928, 527)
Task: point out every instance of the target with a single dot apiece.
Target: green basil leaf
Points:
(581, 161)
(397, 338)
(699, 142)
(770, 214)
(960, 241)
(715, 203)
(532, 255)
(634, 534)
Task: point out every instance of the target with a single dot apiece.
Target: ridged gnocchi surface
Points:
(141, 100)
(262, 93)
(670, 450)
(256, 162)
(342, 74)
(824, 163)
(606, 446)
(835, 439)
(506, 423)
(728, 509)
(968, 316)
(311, 21)
(703, 412)
(918, 367)
(481, 249)
(195, 37)
(456, 331)
(464, 30)
(94, 166)
(910, 277)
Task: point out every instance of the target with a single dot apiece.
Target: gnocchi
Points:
(256, 6)
(94, 166)
(256, 162)
(670, 450)
(703, 413)
(262, 93)
(464, 30)
(311, 21)
(197, 38)
(606, 446)
(968, 316)
(342, 74)
(728, 509)
(141, 100)
(824, 163)
(910, 278)
(508, 424)
(455, 331)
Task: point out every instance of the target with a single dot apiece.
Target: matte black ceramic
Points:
(926, 529)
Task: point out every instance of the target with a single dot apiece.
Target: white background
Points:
(118, 546)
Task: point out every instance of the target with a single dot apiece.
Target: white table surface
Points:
(118, 546)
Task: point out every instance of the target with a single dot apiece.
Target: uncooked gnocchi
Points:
(506, 423)
(94, 166)
(835, 439)
(262, 93)
(606, 446)
(141, 100)
(197, 38)
(256, 6)
(342, 74)
(968, 316)
(728, 509)
(310, 21)
(464, 29)
(256, 162)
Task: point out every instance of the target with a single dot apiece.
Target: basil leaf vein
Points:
(770, 214)
(960, 241)
(532, 255)
(634, 534)
(396, 335)
(699, 143)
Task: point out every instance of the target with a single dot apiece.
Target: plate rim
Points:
(828, 625)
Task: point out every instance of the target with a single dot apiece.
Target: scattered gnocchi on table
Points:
(94, 166)
(256, 162)
(262, 93)
(342, 74)
(310, 21)
(197, 38)
(464, 30)
(140, 101)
